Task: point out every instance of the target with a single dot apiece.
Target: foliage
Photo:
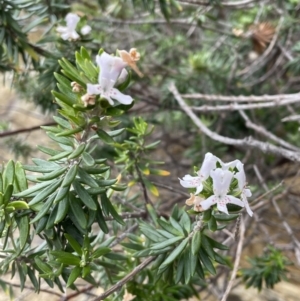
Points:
(96, 196)
(266, 270)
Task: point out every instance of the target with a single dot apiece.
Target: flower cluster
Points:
(68, 32)
(112, 73)
(225, 189)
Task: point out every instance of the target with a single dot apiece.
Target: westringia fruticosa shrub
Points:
(85, 211)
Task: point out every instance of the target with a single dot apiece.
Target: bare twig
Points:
(241, 98)
(237, 260)
(25, 130)
(127, 278)
(250, 142)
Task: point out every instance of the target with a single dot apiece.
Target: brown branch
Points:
(246, 142)
(237, 260)
(127, 278)
(24, 130)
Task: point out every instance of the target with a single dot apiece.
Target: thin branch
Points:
(33, 128)
(127, 278)
(250, 142)
(261, 130)
(236, 107)
(242, 98)
(75, 294)
(237, 260)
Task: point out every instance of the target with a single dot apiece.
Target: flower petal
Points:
(61, 29)
(221, 180)
(86, 29)
(248, 209)
(210, 201)
(190, 182)
(222, 207)
(93, 89)
(120, 97)
(122, 77)
(72, 21)
(208, 165)
(126, 57)
(110, 66)
(235, 201)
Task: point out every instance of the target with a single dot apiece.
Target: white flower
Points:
(208, 165)
(110, 70)
(68, 32)
(245, 192)
(221, 182)
(86, 29)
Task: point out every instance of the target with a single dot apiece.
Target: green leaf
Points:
(19, 205)
(8, 174)
(85, 198)
(77, 210)
(110, 208)
(225, 217)
(105, 137)
(212, 224)
(166, 243)
(42, 265)
(169, 228)
(52, 217)
(45, 192)
(100, 219)
(61, 121)
(196, 242)
(152, 188)
(33, 189)
(216, 244)
(63, 208)
(78, 151)
(47, 150)
(62, 140)
(206, 261)
(175, 253)
(74, 275)
(66, 258)
(60, 155)
(44, 210)
(23, 226)
(52, 175)
(74, 244)
(70, 176)
(86, 178)
(88, 159)
(100, 252)
(205, 243)
(185, 222)
(7, 194)
(176, 225)
(61, 194)
(20, 178)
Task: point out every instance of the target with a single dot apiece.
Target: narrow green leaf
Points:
(85, 198)
(216, 244)
(169, 228)
(70, 176)
(225, 217)
(74, 275)
(100, 252)
(45, 192)
(52, 175)
(23, 226)
(175, 253)
(52, 217)
(44, 210)
(185, 222)
(60, 155)
(63, 208)
(77, 152)
(105, 137)
(66, 258)
(206, 261)
(100, 219)
(212, 224)
(74, 244)
(20, 178)
(106, 203)
(196, 242)
(176, 225)
(8, 174)
(7, 194)
(205, 243)
(77, 210)
(33, 189)
(88, 159)
(166, 243)
(86, 178)
(42, 265)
